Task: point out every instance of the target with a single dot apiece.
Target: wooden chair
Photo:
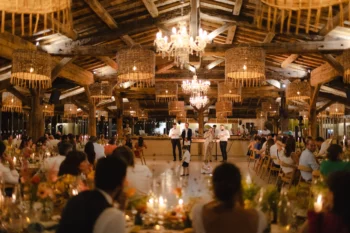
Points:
(301, 182)
(252, 158)
(265, 166)
(273, 169)
(316, 174)
(288, 179)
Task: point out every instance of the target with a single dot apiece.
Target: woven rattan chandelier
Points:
(41, 15)
(137, 66)
(176, 106)
(223, 109)
(298, 90)
(260, 114)
(142, 114)
(166, 91)
(270, 107)
(311, 10)
(245, 65)
(131, 108)
(229, 92)
(100, 91)
(49, 110)
(346, 64)
(11, 103)
(31, 69)
(304, 114)
(181, 116)
(337, 110)
(70, 110)
(100, 114)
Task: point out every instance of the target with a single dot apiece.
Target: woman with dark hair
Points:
(110, 146)
(8, 140)
(71, 140)
(26, 146)
(139, 146)
(227, 210)
(138, 176)
(41, 142)
(90, 152)
(75, 164)
(334, 162)
(335, 216)
(9, 175)
(128, 141)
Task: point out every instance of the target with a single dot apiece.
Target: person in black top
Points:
(187, 137)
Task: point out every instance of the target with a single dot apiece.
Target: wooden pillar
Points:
(312, 112)
(37, 117)
(201, 122)
(119, 118)
(92, 120)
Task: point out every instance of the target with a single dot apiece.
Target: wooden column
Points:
(36, 116)
(201, 122)
(119, 117)
(312, 111)
(92, 120)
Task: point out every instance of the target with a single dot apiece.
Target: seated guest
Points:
(307, 159)
(109, 148)
(71, 140)
(138, 176)
(54, 163)
(99, 150)
(227, 210)
(90, 152)
(335, 216)
(26, 146)
(286, 158)
(75, 164)
(93, 211)
(257, 146)
(9, 175)
(274, 152)
(334, 162)
(323, 146)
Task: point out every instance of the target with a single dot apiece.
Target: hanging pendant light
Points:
(142, 114)
(100, 91)
(272, 109)
(223, 109)
(131, 108)
(49, 110)
(298, 91)
(70, 110)
(337, 110)
(260, 114)
(136, 66)
(181, 116)
(11, 103)
(100, 114)
(346, 64)
(166, 91)
(31, 69)
(229, 91)
(245, 66)
(176, 106)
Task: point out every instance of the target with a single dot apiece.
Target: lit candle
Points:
(157, 227)
(14, 198)
(318, 204)
(249, 180)
(181, 202)
(14, 160)
(150, 204)
(75, 192)
(127, 218)
(161, 204)
(33, 155)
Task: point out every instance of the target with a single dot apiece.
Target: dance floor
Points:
(166, 177)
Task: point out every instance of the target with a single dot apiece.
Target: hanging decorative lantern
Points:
(337, 110)
(142, 115)
(245, 65)
(100, 91)
(181, 116)
(11, 103)
(31, 69)
(322, 115)
(70, 110)
(223, 109)
(260, 114)
(49, 110)
(304, 114)
(229, 91)
(346, 64)
(53, 14)
(100, 114)
(131, 108)
(268, 10)
(175, 107)
(271, 108)
(166, 91)
(298, 90)
(137, 66)
(83, 115)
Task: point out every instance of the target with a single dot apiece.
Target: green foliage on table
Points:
(249, 193)
(270, 199)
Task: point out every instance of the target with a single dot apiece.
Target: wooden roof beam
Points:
(108, 61)
(321, 109)
(231, 34)
(334, 63)
(237, 7)
(269, 37)
(335, 21)
(58, 68)
(151, 7)
(289, 60)
(214, 63)
(323, 74)
(165, 67)
(219, 30)
(194, 18)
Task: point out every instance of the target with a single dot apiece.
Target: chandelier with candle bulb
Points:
(199, 100)
(195, 86)
(181, 44)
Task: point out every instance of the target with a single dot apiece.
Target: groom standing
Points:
(187, 137)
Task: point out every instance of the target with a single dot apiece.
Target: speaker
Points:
(55, 97)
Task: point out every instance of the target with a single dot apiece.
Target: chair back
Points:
(304, 168)
(252, 155)
(283, 164)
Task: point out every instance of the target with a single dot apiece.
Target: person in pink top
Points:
(109, 148)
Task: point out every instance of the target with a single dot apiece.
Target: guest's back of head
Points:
(71, 165)
(64, 148)
(334, 151)
(126, 154)
(90, 152)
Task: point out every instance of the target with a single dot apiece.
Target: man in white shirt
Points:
(223, 136)
(308, 159)
(94, 211)
(274, 151)
(323, 146)
(53, 163)
(175, 134)
(99, 149)
(265, 132)
(127, 130)
(8, 175)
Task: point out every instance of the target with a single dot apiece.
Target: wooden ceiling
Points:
(87, 52)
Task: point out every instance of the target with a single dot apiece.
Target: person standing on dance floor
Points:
(223, 136)
(187, 137)
(174, 134)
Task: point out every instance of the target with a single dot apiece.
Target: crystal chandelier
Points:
(199, 101)
(181, 45)
(195, 86)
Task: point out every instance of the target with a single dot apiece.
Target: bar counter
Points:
(161, 145)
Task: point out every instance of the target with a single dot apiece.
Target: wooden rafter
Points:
(230, 34)
(334, 63)
(220, 30)
(289, 60)
(214, 63)
(194, 18)
(237, 7)
(108, 61)
(58, 68)
(165, 67)
(269, 37)
(324, 106)
(335, 21)
(151, 7)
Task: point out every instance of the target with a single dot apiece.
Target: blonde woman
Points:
(208, 143)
